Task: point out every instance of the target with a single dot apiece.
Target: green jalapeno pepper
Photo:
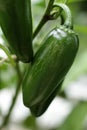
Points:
(16, 24)
(50, 66)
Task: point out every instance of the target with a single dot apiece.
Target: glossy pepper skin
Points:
(40, 108)
(49, 68)
(16, 24)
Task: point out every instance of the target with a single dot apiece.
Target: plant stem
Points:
(6, 119)
(68, 18)
(6, 60)
(45, 18)
(8, 54)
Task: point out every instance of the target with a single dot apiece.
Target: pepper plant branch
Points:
(45, 18)
(6, 119)
(68, 17)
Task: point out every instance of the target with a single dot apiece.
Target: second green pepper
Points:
(16, 24)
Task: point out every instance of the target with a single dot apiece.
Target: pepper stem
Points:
(68, 18)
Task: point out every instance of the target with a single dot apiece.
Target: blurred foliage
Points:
(8, 76)
(76, 118)
(30, 122)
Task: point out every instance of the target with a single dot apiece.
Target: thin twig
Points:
(8, 54)
(45, 18)
(6, 60)
(7, 117)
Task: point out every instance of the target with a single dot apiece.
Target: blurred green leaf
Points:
(40, 3)
(8, 76)
(75, 119)
(78, 69)
(70, 1)
(76, 1)
(81, 29)
(62, 1)
(30, 122)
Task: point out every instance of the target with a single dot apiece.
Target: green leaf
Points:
(76, 1)
(62, 1)
(75, 119)
(81, 29)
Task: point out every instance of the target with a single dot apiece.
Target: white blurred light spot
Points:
(78, 90)
(55, 114)
(5, 100)
(2, 53)
(20, 111)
